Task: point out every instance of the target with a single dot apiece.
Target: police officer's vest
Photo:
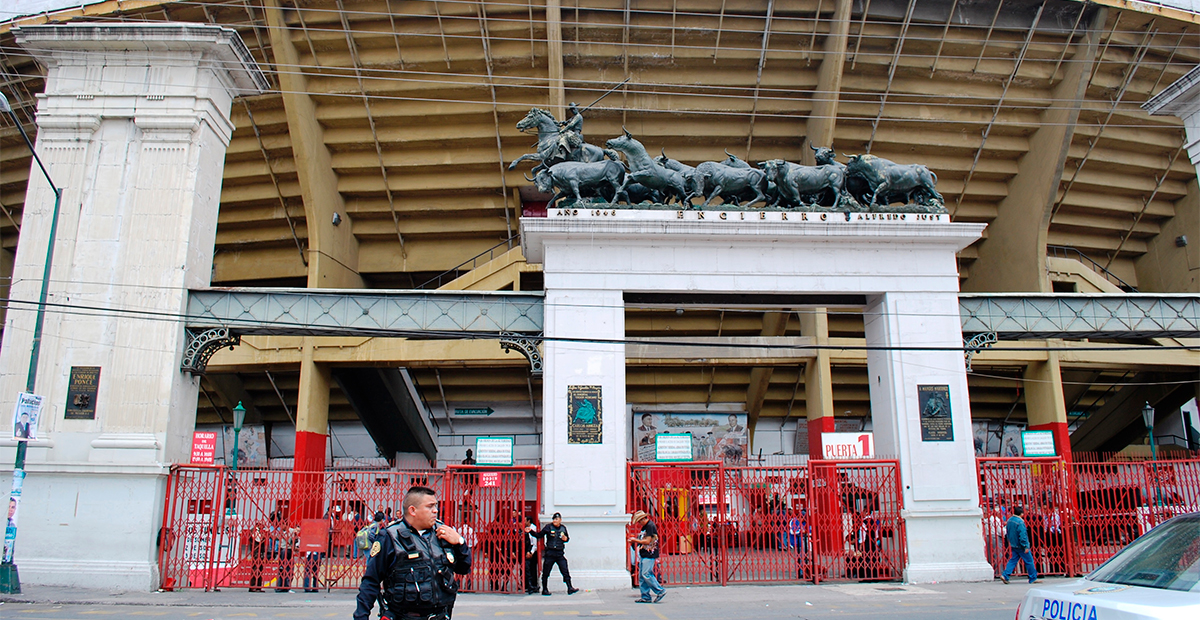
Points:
(422, 577)
(554, 541)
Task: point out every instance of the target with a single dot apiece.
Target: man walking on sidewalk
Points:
(1018, 542)
(647, 541)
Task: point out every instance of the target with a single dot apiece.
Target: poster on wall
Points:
(934, 404)
(252, 446)
(714, 437)
(81, 393)
(986, 435)
(1010, 442)
(584, 420)
(25, 416)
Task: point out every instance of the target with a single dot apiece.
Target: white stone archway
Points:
(902, 266)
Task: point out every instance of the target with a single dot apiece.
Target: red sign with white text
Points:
(489, 479)
(204, 447)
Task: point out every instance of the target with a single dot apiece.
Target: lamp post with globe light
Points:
(239, 416)
(1148, 418)
(10, 582)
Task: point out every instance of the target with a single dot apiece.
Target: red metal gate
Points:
(1042, 487)
(1119, 501)
(236, 529)
(489, 506)
(724, 525)
(1079, 514)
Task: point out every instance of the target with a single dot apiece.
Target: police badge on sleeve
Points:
(375, 547)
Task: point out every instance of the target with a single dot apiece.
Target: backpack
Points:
(365, 536)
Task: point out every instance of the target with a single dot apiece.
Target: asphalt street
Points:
(978, 601)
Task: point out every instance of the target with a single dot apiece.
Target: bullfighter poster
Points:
(584, 420)
(936, 421)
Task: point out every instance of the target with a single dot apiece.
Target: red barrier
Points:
(488, 506)
(1081, 513)
(1042, 487)
(724, 525)
(236, 529)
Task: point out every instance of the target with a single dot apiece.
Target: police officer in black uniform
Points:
(411, 567)
(556, 537)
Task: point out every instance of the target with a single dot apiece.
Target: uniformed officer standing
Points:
(556, 537)
(412, 566)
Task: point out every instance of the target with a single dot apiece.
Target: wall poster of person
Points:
(252, 446)
(1010, 443)
(936, 421)
(715, 437)
(25, 416)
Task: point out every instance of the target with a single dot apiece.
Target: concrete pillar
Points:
(586, 482)
(818, 380)
(312, 426)
(941, 494)
(1013, 257)
(821, 123)
(1045, 405)
(133, 125)
(1167, 265)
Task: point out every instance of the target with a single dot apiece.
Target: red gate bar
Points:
(722, 524)
(488, 505)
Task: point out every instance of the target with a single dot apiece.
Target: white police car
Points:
(1157, 576)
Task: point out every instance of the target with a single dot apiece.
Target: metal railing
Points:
(1063, 251)
(457, 271)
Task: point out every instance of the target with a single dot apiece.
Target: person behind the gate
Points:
(647, 541)
(556, 537)
(412, 567)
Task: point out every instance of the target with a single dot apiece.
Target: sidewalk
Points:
(947, 593)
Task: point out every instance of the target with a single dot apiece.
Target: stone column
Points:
(133, 125)
(586, 482)
(941, 495)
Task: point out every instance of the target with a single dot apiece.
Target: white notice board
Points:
(494, 451)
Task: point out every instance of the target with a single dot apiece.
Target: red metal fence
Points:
(238, 529)
(824, 521)
(1081, 513)
(821, 521)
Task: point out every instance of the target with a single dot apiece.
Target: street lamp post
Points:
(10, 581)
(1148, 418)
(239, 416)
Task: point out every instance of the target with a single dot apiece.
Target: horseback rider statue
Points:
(570, 137)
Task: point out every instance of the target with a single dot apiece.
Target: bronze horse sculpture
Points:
(555, 146)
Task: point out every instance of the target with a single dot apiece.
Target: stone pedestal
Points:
(133, 126)
(900, 268)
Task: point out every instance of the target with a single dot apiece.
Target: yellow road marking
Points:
(560, 613)
(148, 613)
(99, 612)
(597, 612)
(660, 616)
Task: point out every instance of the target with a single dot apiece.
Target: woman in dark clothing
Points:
(556, 537)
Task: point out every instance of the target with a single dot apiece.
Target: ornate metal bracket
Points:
(202, 345)
(977, 343)
(527, 345)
